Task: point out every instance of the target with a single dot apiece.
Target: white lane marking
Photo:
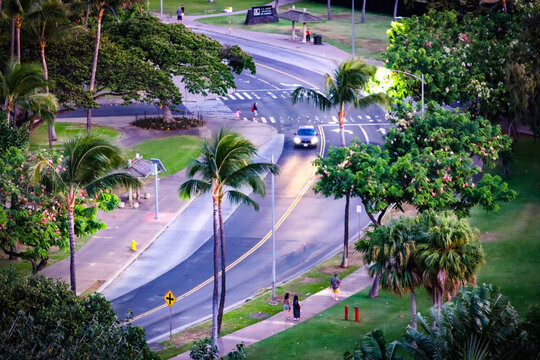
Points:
(247, 96)
(255, 96)
(272, 95)
(365, 134)
(359, 117)
(344, 130)
(272, 120)
(382, 130)
(239, 96)
(334, 118)
(246, 118)
(291, 85)
(232, 97)
(368, 117)
(263, 120)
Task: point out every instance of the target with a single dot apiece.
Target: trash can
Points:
(317, 39)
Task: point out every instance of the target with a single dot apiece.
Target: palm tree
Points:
(450, 256)
(90, 165)
(18, 85)
(363, 20)
(17, 9)
(480, 323)
(49, 23)
(394, 256)
(344, 87)
(224, 166)
(101, 5)
(329, 9)
(373, 347)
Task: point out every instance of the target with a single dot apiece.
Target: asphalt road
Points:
(309, 226)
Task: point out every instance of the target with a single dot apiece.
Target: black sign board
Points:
(262, 11)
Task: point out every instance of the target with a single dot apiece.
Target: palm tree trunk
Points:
(216, 274)
(395, 10)
(363, 12)
(341, 119)
(223, 267)
(276, 5)
(345, 259)
(413, 309)
(374, 291)
(12, 37)
(329, 10)
(94, 67)
(19, 23)
(87, 13)
(71, 221)
(50, 127)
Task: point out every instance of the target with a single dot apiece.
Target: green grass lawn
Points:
(192, 7)
(370, 37)
(40, 138)
(511, 241)
(175, 152)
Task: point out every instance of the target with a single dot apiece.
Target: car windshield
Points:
(306, 132)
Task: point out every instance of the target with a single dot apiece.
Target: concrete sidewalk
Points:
(311, 306)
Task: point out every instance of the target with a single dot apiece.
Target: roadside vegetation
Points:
(202, 7)
(370, 38)
(510, 239)
(64, 131)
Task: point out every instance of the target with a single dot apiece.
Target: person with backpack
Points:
(335, 285)
(254, 110)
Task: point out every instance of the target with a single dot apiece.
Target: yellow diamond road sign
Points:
(170, 299)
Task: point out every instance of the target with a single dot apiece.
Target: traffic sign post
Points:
(170, 300)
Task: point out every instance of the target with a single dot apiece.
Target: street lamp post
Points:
(273, 301)
(421, 78)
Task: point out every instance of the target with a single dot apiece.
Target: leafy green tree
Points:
(373, 347)
(480, 323)
(34, 324)
(18, 86)
(176, 50)
(342, 90)
(88, 167)
(449, 256)
(224, 166)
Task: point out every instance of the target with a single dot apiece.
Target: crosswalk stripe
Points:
(368, 117)
(272, 95)
(232, 97)
(255, 96)
(334, 118)
(359, 117)
(246, 119)
(263, 120)
(272, 120)
(239, 96)
(224, 98)
(247, 96)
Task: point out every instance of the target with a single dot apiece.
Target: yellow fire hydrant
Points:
(133, 245)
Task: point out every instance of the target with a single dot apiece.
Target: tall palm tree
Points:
(450, 256)
(90, 165)
(17, 10)
(343, 90)
(373, 346)
(48, 22)
(101, 6)
(224, 167)
(363, 20)
(18, 85)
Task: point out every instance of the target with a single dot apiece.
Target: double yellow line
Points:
(256, 246)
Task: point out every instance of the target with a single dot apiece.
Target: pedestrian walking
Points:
(296, 308)
(237, 114)
(182, 8)
(308, 35)
(287, 306)
(335, 285)
(254, 110)
(179, 14)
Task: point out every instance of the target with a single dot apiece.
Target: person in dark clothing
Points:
(335, 285)
(296, 308)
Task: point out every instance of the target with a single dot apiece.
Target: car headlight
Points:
(297, 140)
(314, 140)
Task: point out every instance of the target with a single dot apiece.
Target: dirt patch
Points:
(488, 237)
(259, 315)
(96, 285)
(374, 45)
(190, 335)
(307, 280)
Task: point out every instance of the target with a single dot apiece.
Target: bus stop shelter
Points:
(299, 16)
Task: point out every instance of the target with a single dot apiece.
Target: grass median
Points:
(65, 130)
(370, 37)
(202, 7)
(510, 239)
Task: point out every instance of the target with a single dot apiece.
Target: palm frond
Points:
(237, 197)
(320, 100)
(112, 181)
(193, 187)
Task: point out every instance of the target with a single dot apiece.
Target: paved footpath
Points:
(311, 306)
